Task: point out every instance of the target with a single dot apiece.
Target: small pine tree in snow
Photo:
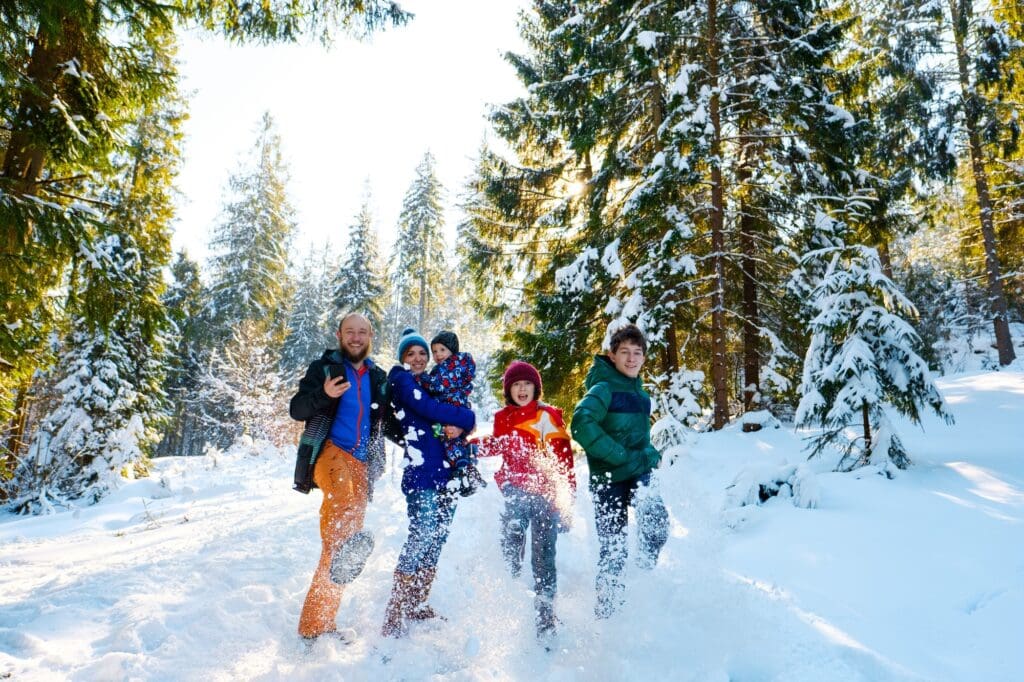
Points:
(358, 285)
(244, 374)
(311, 322)
(93, 437)
(249, 269)
(862, 357)
(419, 253)
(111, 397)
(676, 409)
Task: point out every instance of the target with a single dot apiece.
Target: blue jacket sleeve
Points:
(407, 395)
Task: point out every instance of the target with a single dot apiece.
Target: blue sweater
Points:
(425, 467)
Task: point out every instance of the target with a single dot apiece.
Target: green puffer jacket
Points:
(613, 424)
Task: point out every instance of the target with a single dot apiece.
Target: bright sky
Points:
(356, 111)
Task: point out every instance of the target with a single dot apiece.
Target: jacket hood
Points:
(604, 371)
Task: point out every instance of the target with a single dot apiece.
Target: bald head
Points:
(353, 318)
(355, 337)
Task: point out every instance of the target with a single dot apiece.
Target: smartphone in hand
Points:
(335, 371)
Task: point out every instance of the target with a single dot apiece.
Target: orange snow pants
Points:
(342, 479)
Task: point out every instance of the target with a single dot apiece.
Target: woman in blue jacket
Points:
(430, 504)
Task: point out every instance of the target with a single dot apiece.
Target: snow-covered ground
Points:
(199, 574)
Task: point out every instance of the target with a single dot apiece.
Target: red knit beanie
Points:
(520, 371)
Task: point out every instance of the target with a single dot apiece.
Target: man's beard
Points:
(356, 358)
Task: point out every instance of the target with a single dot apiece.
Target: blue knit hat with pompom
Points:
(411, 338)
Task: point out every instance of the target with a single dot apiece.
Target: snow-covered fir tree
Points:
(863, 357)
(652, 179)
(419, 259)
(184, 301)
(112, 365)
(104, 427)
(358, 284)
(248, 272)
(244, 373)
(311, 321)
(249, 280)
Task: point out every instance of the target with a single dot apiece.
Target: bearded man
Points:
(343, 402)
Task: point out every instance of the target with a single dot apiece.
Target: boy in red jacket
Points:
(536, 477)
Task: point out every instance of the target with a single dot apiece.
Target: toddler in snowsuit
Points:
(450, 381)
(537, 480)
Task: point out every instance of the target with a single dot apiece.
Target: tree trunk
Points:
(719, 377)
(997, 300)
(885, 258)
(748, 271)
(26, 153)
(423, 294)
(670, 358)
(16, 426)
(867, 427)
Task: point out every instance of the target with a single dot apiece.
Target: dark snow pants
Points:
(611, 510)
(525, 510)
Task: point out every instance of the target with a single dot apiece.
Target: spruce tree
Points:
(110, 377)
(243, 373)
(311, 322)
(988, 49)
(184, 303)
(863, 356)
(419, 252)
(634, 192)
(248, 273)
(249, 280)
(358, 285)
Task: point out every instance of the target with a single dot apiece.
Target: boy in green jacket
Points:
(613, 424)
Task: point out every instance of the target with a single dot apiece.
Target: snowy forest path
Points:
(199, 573)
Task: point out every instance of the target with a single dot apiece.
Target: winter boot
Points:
(350, 558)
(545, 617)
(398, 606)
(609, 596)
(419, 609)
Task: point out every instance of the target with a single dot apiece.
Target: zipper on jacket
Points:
(359, 399)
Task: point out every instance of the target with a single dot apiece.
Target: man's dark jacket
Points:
(313, 406)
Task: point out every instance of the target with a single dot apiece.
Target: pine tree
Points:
(988, 48)
(184, 303)
(358, 285)
(419, 252)
(249, 280)
(72, 82)
(311, 323)
(636, 193)
(112, 404)
(244, 374)
(105, 425)
(249, 269)
(863, 356)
